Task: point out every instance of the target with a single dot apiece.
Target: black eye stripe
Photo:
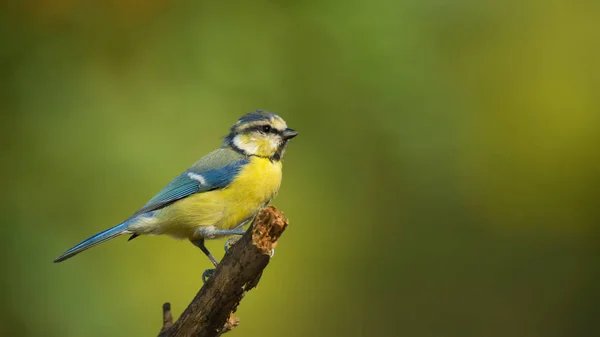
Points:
(259, 128)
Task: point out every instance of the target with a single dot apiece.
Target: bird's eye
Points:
(266, 128)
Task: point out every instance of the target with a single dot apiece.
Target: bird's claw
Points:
(208, 273)
(229, 243)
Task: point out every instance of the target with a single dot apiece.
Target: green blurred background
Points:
(445, 181)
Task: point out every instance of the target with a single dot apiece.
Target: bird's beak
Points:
(289, 133)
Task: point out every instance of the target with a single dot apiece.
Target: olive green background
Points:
(445, 181)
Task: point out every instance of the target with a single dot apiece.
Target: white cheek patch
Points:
(198, 177)
(274, 143)
(248, 147)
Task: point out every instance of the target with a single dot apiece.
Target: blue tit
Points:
(218, 194)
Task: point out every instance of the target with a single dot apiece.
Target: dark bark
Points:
(211, 312)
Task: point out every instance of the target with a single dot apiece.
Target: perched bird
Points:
(218, 194)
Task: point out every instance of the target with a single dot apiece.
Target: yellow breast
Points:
(256, 184)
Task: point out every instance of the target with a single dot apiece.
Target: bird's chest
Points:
(256, 184)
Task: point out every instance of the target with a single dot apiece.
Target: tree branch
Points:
(167, 317)
(211, 312)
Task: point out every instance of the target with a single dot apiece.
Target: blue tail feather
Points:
(94, 240)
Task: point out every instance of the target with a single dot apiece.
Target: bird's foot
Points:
(208, 273)
(229, 243)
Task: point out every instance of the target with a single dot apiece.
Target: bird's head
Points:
(260, 133)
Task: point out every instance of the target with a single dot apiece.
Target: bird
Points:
(217, 195)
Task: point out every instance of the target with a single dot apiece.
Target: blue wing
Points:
(214, 171)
